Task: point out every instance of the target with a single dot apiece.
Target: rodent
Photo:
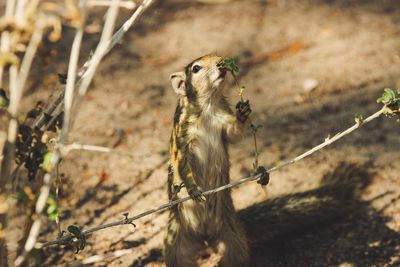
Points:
(203, 126)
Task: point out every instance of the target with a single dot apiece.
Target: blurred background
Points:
(308, 67)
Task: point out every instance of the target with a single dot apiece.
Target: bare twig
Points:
(71, 76)
(9, 148)
(35, 228)
(329, 140)
(17, 83)
(68, 98)
(100, 51)
(114, 254)
(114, 40)
(104, 46)
(66, 149)
(45, 189)
(5, 155)
(129, 220)
(19, 12)
(98, 258)
(5, 37)
(124, 4)
(3, 138)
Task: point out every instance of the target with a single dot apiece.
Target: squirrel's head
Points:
(201, 79)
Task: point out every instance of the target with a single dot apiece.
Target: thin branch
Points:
(123, 4)
(329, 140)
(6, 155)
(104, 46)
(16, 91)
(129, 220)
(100, 50)
(5, 35)
(71, 76)
(86, 78)
(45, 189)
(57, 189)
(17, 83)
(9, 148)
(114, 254)
(19, 12)
(68, 98)
(35, 228)
(128, 24)
(28, 58)
(100, 257)
(66, 149)
(116, 38)
(3, 138)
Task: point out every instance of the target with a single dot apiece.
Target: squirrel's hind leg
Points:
(181, 249)
(233, 245)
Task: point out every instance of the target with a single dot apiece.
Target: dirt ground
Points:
(350, 48)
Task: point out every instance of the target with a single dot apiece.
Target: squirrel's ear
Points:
(178, 82)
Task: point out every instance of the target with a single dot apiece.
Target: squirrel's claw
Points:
(264, 177)
(243, 110)
(196, 194)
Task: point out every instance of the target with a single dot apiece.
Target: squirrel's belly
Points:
(211, 163)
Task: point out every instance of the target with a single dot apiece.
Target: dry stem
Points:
(103, 47)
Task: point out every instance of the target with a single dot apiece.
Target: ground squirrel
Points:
(204, 124)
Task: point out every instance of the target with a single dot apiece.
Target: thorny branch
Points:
(115, 39)
(17, 83)
(129, 220)
(104, 46)
(45, 188)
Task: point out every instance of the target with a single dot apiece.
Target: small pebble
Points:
(309, 85)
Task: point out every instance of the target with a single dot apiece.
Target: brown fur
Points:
(203, 125)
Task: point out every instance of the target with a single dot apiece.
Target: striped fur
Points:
(203, 125)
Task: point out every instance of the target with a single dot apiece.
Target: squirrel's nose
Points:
(221, 69)
(219, 65)
(222, 73)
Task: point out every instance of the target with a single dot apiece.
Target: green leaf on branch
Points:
(359, 118)
(52, 210)
(389, 98)
(74, 230)
(229, 64)
(255, 127)
(4, 100)
(20, 196)
(47, 163)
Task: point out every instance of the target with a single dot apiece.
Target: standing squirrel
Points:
(203, 126)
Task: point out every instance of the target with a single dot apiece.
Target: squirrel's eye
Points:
(196, 68)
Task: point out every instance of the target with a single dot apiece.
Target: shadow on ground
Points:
(327, 226)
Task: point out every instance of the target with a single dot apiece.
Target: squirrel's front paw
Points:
(243, 110)
(196, 194)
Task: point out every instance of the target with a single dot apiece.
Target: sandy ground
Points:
(351, 48)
